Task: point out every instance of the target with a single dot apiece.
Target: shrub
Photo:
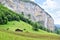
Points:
(40, 26)
(9, 17)
(17, 18)
(35, 26)
(1, 20)
(29, 15)
(58, 31)
(22, 13)
(24, 29)
(48, 30)
(5, 20)
(45, 29)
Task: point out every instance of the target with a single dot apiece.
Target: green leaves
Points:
(7, 15)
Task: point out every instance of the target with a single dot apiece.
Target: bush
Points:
(35, 26)
(9, 17)
(17, 18)
(29, 15)
(24, 29)
(58, 31)
(45, 29)
(29, 21)
(22, 13)
(48, 30)
(14, 17)
(3, 21)
(40, 26)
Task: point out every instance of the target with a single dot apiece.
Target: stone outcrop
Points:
(30, 8)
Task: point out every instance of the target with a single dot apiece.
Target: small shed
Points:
(19, 30)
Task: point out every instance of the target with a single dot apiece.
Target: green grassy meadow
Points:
(27, 34)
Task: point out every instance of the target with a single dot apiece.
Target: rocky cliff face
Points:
(30, 8)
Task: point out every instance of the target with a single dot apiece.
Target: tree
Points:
(48, 30)
(9, 17)
(40, 26)
(1, 21)
(29, 15)
(17, 18)
(35, 26)
(5, 20)
(22, 13)
(58, 31)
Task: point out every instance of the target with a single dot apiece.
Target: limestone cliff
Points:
(30, 8)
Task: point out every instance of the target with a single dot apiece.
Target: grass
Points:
(28, 34)
(8, 36)
(16, 25)
(4, 35)
(13, 25)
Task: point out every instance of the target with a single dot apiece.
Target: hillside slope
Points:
(13, 25)
(4, 35)
(7, 17)
(27, 34)
(8, 27)
(33, 9)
